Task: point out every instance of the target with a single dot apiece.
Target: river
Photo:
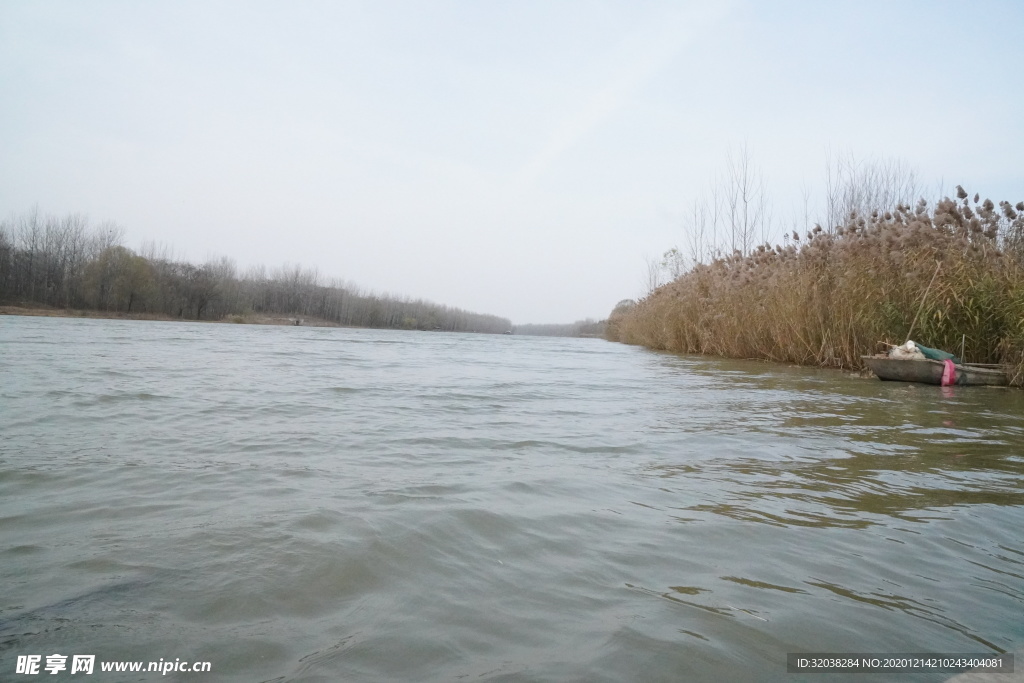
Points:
(314, 504)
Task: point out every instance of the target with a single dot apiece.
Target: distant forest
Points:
(65, 263)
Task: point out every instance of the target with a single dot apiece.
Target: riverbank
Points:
(47, 262)
(243, 319)
(949, 276)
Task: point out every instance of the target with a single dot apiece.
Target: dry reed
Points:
(833, 296)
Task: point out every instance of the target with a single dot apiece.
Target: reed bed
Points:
(946, 275)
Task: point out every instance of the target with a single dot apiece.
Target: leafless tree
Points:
(746, 202)
(652, 275)
(859, 188)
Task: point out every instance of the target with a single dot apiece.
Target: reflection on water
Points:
(313, 504)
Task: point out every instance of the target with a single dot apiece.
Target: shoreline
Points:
(247, 319)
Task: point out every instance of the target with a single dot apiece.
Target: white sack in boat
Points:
(908, 351)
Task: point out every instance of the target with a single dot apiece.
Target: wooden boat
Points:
(930, 371)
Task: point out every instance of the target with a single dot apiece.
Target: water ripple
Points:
(299, 504)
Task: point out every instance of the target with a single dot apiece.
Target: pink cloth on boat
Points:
(948, 373)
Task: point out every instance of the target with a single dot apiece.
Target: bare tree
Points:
(746, 202)
(860, 188)
(652, 275)
(6, 258)
(118, 280)
(673, 262)
(702, 226)
(732, 216)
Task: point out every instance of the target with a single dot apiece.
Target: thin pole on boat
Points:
(962, 342)
(938, 264)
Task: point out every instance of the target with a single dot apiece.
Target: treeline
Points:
(946, 274)
(65, 263)
(580, 328)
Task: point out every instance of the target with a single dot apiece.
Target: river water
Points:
(308, 504)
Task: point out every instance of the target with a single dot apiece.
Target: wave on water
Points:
(433, 506)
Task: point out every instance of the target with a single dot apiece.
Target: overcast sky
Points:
(516, 158)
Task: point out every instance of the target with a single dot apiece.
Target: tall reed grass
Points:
(831, 296)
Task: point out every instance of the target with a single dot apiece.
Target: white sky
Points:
(516, 158)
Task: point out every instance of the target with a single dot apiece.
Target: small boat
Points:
(930, 371)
